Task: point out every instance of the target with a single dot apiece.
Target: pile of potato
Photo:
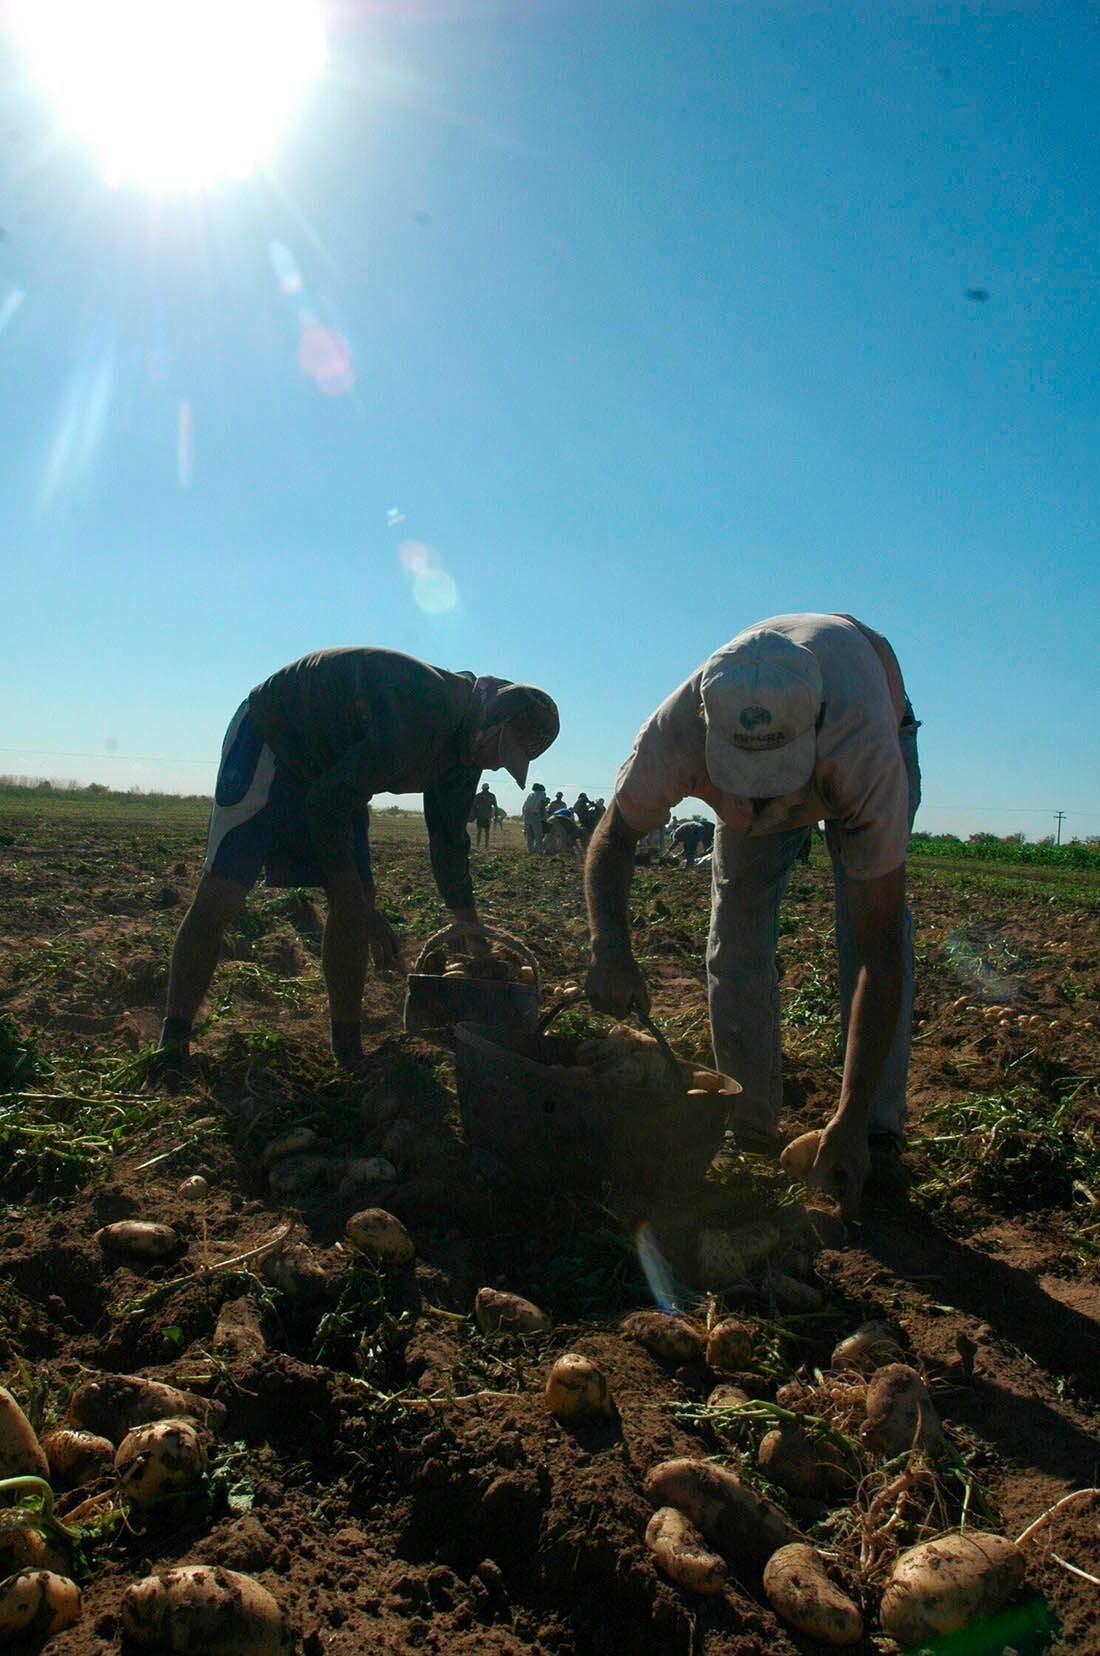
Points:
(709, 1523)
(495, 964)
(632, 1059)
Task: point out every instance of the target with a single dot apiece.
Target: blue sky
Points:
(649, 321)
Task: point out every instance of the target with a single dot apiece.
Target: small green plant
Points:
(1012, 1147)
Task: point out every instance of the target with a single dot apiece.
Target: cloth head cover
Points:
(526, 717)
(761, 701)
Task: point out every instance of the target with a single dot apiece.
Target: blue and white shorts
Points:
(259, 817)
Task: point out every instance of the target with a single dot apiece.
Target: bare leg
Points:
(198, 944)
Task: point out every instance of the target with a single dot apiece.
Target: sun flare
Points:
(174, 94)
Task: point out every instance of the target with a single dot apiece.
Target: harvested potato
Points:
(668, 1338)
(138, 1239)
(801, 1464)
(113, 1404)
(292, 1176)
(381, 1236)
(76, 1457)
(727, 1397)
(740, 1523)
(900, 1413)
(871, 1346)
(799, 1156)
(944, 1585)
(682, 1553)
(239, 1332)
(729, 1346)
(498, 1313)
(576, 1388)
(799, 1589)
(728, 1256)
(791, 1294)
(21, 1454)
(296, 1271)
(36, 1603)
(194, 1189)
(202, 1610)
(295, 1143)
(153, 1462)
(26, 1549)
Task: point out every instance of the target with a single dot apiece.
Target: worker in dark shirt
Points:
(301, 759)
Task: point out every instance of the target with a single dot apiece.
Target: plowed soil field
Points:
(385, 1468)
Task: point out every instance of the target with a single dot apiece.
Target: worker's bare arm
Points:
(614, 980)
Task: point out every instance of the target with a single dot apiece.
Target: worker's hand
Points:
(615, 983)
(383, 942)
(842, 1164)
(473, 940)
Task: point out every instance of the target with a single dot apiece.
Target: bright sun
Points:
(174, 94)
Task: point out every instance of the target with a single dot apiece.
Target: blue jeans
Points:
(749, 878)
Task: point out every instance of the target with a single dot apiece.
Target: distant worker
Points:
(534, 808)
(563, 834)
(302, 757)
(484, 807)
(555, 804)
(500, 817)
(586, 814)
(798, 719)
(691, 836)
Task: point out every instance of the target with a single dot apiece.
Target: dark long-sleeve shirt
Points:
(355, 722)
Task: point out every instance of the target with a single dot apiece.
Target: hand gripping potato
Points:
(21, 1454)
(799, 1589)
(201, 1610)
(944, 1585)
(670, 1339)
(799, 1156)
(36, 1603)
(683, 1554)
(900, 1413)
(576, 1389)
(743, 1525)
(165, 1458)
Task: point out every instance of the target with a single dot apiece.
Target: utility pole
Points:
(1058, 815)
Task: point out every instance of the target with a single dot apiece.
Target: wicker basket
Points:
(436, 1003)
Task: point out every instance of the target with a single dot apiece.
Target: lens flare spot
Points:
(394, 516)
(662, 1284)
(417, 558)
(285, 266)
(325, 356)
(110, 744)
(11, 304)
(435, 591)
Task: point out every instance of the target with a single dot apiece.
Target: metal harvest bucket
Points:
(546, 1127)
(434, 1002)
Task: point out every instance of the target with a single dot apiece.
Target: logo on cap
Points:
(753, 716)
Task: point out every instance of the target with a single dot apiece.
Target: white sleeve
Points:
(668, 758)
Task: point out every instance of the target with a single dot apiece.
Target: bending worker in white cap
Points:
(798, 718)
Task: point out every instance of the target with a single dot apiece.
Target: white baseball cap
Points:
(761, 701)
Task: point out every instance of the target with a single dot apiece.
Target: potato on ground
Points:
(801, 1464)
(24, 1548)
(139, 1239)
(744, 1526)
(799, 1589)
(670, 1339)
(113, 1404)
(21, 1454)
(729, 1346)
(871, 1346)
(381, 1236)
(165, 1458)
(683, 1554)
(36, 1603)
(944, 1585)
(901, 1414)
(77, 1457)
(576, 1389)
(202, 1610)
(499, 1313)
(799, 1156)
